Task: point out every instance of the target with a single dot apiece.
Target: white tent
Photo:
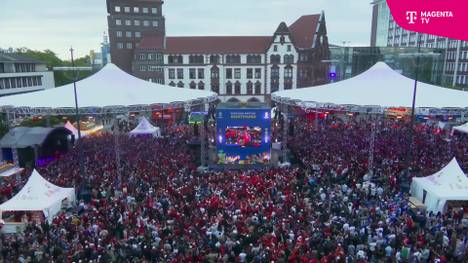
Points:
(380, 85)
(145, 127)
(39, 195)
(462, 128)
(109, 87)
(449, 184)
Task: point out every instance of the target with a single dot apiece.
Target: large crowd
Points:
(154, 206)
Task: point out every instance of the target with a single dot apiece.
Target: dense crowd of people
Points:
(154, 206)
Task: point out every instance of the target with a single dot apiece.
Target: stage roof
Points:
(108, 89)
(379, 86)
(22, 137)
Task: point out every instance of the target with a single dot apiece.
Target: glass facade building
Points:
(351, 61)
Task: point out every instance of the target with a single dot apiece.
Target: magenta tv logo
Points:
(411, 17)
(435, 17)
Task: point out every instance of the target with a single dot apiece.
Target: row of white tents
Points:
(111, 87)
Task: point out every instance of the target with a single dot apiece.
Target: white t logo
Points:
(411, 16)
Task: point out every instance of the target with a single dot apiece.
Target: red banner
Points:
(447, 18)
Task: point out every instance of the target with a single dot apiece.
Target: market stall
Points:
(38, 198)
(436, 191)
(146, 128)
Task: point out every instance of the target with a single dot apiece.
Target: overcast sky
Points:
(58, 24)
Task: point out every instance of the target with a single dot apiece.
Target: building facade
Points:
(19, 74)
(128, 21)
(385, 32)
(351, 61)
(238, 68)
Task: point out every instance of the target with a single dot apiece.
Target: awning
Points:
(22, 137)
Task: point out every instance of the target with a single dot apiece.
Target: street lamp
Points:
(413, 105)
(75, 70)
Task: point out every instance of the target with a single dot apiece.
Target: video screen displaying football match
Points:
(243, 136)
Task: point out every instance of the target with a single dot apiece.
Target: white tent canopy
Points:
(462, 128)
(145, 127)
(449, 184)
(380, 85)
(39, 195)
(111, 87)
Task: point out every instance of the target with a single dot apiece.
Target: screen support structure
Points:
(117, 150)
(374, 130)
(203, 143)
(285, 133)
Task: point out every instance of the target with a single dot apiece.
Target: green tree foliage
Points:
(51, 59)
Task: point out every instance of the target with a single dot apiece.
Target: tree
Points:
(51, 59)
(41, 122)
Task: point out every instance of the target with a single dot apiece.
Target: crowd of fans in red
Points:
(326, 208)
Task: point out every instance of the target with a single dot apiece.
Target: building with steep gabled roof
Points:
(238, 68)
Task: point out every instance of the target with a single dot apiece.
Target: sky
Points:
(59, 24)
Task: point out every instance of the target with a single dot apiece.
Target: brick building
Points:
(238, 68)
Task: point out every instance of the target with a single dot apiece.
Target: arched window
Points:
(229, 88)
(249, 88)
(275, 72)
(233, 100)
(180, 84)
(233, 59)
(214, 59)
(170, 59)
(196, 59)
(215, 72)
(237, 88)
(274, 78)
(275, 59)
(175, 59)
(254, 59)
(288, 72)
(258, 88)
(201, 85)
(253, 100)
(193, 85)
